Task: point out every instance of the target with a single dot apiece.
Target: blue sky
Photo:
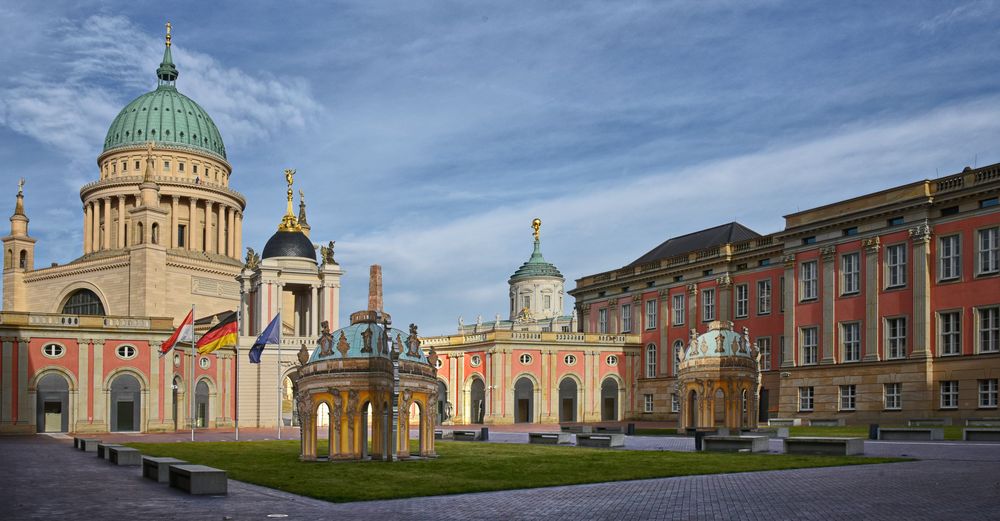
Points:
(427, 135)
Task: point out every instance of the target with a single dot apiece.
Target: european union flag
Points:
(269, 336)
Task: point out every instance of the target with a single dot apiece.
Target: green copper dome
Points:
(536, 266)
(165, 116)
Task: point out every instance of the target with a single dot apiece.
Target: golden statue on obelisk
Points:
(289, 223)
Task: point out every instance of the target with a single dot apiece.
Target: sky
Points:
(428, 135)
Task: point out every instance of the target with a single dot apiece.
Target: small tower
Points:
(18, 257)
(147, 250)
(302, 214)
(536, 288)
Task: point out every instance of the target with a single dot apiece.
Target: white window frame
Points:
(764, 345)
(679, 309)
(647, 403)
(850, 341)
(950, 257)
(61, 350)
(807, 399)
(764, 297)
(118, 352)
(525, 359)
(949, 394)
(809, 340)
(569, 360)
(988, 393)
(611, 360)
(988, 329)
(204, 362)
(678, 347)
(602, 321)
(675, 403)
(988, 251)
(547, 301)
(476, 361)
(626, 318)
(850, 273)
(950, 332)
(708, 305)
(651, 361)
(848, 397)
(742, 297)
(892, 396)
(895, 265)
(896, 332)
(809, 280)
(651, 314)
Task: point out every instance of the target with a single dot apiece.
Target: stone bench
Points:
(911, 434)
(825, 446)
(606, 440)
(465, 435)
(89, 444)
(784, 422)
(103, 449)
(773, 432)
(124, 456)
(981, 434)
(198, 479)
(550, 438)
(443, 435)
(158, 469)
(577, 429)
(827, 422)
(928, 422)
(735, 443)
(982, 422)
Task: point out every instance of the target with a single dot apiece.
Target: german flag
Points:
(224, 334)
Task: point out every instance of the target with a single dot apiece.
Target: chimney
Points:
(375, 288)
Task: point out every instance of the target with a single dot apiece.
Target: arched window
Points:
(83, 302)
(138, 234)
(8, 259)
(154, 234)
(678, 347)
(651, 361)
(23, 261)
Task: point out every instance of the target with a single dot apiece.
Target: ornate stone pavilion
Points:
(719, 379)
(367, 373)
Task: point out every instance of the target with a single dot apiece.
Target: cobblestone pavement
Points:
(45, 478)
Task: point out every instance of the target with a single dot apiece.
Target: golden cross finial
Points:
(168, 34)
(536, 224)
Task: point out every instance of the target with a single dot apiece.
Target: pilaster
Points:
(724, 301)
(921, 237)
(828, 343)
(791, 339)
(872, 285)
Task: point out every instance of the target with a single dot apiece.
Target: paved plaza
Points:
(952, 480)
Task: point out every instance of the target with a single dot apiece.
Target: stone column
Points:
(662, 316)
(921, 236)
(23, 412)
(724, 298)
(88, 220)
(209, 240)
(220, 229)
(82, 384)
(872, 278)
(505, 360)
(173, 220)
(231, 234)
(490, 388)
(192, 229)
(95, 227)
(313, 309)
(155, 386)
(98, 385)
(122, 242)
(613, 316)
(461, 393)
(106, 238)
(692, 314)
(791, 340)
(829, 342)
(7, 382)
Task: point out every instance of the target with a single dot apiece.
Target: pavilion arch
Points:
(534, 409)
(578, 400)
(612, 410)
(70, 290)
(474, 398)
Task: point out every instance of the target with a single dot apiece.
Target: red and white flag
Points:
(184, 333)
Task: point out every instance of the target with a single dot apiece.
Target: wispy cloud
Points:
(970, 11)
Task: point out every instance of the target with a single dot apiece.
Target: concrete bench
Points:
(158, 469)
(577, 429)
(89, 444)
(784, 422)
(911, 434)
(443, 435)
(981, 434)
(550, 438)
(772, 432)
(735, 443)
(982, 422)
(103, 449)
(825, 446)
(465, 435)
(606, 440)
(124, 456)
(198, 479)
(827, 422)
(928, 422)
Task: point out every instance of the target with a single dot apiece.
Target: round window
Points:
(438, 363)
(612, 360)
(525, 359)
(127, 352)
(476, 360)
(177, 360)
(570, 359)
(53, 350)
(204, 362)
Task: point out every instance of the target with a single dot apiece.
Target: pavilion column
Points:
(106, 237)
(828, 344)
(173, 220)
(209, 246)
(220, 229)
(192, 229)
(121, 222)
(88, 220)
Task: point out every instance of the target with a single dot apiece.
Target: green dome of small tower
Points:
(166, 116)
(536, 266)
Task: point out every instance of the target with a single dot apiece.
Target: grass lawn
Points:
(951, 432)
(467, 467)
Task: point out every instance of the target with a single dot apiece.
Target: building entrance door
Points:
(53, 416)
(52, 405)
(125, 419)
(763, 414)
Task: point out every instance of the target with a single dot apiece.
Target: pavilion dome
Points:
(719, 341)
(349, 342)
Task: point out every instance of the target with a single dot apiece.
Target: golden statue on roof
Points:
(168, 34)
(289, 223)
(536, 224)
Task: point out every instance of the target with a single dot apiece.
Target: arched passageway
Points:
(567, 400)
(52, 414)
(524, 394)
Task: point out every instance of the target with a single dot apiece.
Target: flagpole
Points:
(191, 399)
(281, 390)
